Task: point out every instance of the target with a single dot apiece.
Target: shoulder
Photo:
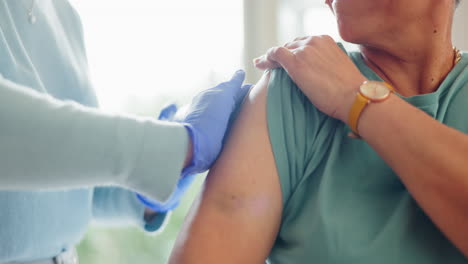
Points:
(463, 68)
(283, 95)
(241, 195)
(69, 17)
(248, 144)
(456, 97)
(296, 130)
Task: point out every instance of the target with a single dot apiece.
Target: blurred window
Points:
(145, 52)
(308, 18)
(142, 55)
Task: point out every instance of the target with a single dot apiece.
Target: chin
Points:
(351, 33)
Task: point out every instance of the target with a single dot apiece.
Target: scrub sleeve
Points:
(51, 144)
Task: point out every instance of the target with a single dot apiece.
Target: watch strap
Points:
(359, 103)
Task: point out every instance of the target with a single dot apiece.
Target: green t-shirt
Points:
(342, 202)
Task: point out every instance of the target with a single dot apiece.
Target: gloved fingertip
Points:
(168, 112)
(247, 86)
(240, 71)
(239, 76)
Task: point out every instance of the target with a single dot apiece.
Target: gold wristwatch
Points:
(369, 92)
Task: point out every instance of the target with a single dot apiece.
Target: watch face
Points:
(375, 91)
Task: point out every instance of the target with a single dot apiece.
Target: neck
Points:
(416, 62)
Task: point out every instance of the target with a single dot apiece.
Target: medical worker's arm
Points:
(237, 216)
(114, 206)
(207, 118)
(50, 144)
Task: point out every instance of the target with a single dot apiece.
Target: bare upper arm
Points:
(237, 216)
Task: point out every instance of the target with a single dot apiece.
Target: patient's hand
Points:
(237, 216)
(326, 74)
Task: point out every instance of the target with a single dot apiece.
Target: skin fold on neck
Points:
(417, 60)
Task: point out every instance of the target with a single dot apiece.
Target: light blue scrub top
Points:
(63, 148)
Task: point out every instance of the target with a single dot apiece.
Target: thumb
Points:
(168, 112)
(242, 93)
(232, 87)
(238, 78)
(282, 56)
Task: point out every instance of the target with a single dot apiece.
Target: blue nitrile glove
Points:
(207, 120)
(168, 113)
(174, 200)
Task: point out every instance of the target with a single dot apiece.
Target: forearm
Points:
(115, 206)
(429, 157)
(46, 143)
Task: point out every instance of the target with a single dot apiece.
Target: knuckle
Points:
(300, 38)
(312, 40)
(278, 50)
(296, 51)
(327, 38)
(272, 50)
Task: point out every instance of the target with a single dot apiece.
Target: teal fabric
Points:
(53, 152)
(342, 203)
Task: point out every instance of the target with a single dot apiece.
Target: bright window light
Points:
(320, 16)
(320, 21)
(147, 52)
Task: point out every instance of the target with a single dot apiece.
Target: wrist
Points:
(374, 114)
(190, 148)
(370, 93)
(349, 96)
(189, 156)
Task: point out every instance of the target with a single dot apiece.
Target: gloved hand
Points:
(207, 120)
(173, 201)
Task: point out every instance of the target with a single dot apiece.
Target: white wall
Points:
(261, 32)
(460, 36)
